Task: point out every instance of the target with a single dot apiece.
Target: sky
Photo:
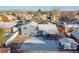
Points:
(39, 7)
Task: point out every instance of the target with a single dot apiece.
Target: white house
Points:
(68, 43)
(48, 28)
(28, 29)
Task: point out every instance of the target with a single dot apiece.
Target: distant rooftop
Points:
(7, 24)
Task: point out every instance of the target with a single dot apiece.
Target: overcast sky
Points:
(39, 7)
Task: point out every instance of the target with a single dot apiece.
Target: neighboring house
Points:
(10, 31)
(67, 44)
(29, 16)
(62, 27)
(44, 17)
(65, 28)
(35, 24)
(8, 18)
(54, 19)
(76, 16)
(75, 35)
(32, 28)
(49, 16)
(72, 26)
(10, 37)
(28, 29)
(8, 26)
(76, 21)
(48, 28)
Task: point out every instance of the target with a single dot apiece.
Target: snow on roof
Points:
(75, 33)
(66, 40)
(72, 25)
(48, 28)
(35, 40)
(76, 21)
(30, 24)
(7, 24)
(33, 23)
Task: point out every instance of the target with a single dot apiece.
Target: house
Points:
(75, 35)
(28, 17)
(8, 26)
(76, 16)
(41, 18)
(62, 27)
(55, 19)
(48, 28)
(10, 37)
(65, 28)
(49, 16)
(28, 29)
(10, 31)
(33, 23)
(76, 21)
(67, 44)
(44, 17)
(8, 18)
(72, 26)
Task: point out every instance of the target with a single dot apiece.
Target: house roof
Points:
(66, 40)
(7, 24)
(72, 25)
(10, 17)
(61, 24)
(48, 28)
(31, 23)
(76, 21)
(75, 33)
